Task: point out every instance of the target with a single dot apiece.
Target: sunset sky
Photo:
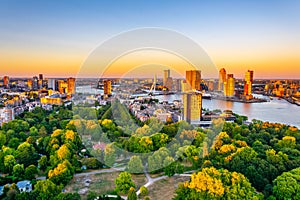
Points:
(55, 37)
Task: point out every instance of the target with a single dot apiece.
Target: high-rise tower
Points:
(222, 79)
(193, 79)
(192, 107)
(248, 83)
(107, 87)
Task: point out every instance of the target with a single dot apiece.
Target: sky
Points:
(56, 37)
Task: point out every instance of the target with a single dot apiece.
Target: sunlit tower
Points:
(71, 85)
(107, 87)
(193, 79)
(229, 86)
(6, 81)
(248, 83)
(192, 107)
(222, 79)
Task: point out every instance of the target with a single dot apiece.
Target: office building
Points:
(6, 115)
(35, 83)
(6, 81)
(62, 86)
(107, 87)
(41, 77)
(51, 83)
(71, 85)
(193, 79)
(222, 79)
(166, 76)
(30, 84)
(229, 86)
(248, 83)
(192, 107)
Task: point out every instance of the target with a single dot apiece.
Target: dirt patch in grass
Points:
(139, 180)
(100, 183)
(165, 189)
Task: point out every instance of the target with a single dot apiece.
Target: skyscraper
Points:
(35, 83)
(41, 77)
(193, 79)
(192, 107)
(71, 85)
(62, 86)
(166, 76)
(167, 80)
(51, 83)
(5, 81)
(29, 84)
(248, 83)
(229, 86)
(107, 87)
(222, 79)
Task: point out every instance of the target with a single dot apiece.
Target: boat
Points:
(206, 96)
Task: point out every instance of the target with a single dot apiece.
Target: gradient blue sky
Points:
(54, 37)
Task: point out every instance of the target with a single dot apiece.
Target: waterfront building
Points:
(166, 76)
(192, 107)
(193, 79)
(229, 86)
(248, 83)
(107, 87)
(71, 85)
(222, 79)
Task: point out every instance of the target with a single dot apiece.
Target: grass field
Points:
(100, 183)
(165, 189)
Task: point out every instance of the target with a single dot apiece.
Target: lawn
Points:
(165, 189)
(99, 183)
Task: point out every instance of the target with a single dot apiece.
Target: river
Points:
(275, 110)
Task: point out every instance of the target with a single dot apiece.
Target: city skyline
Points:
(55, 38)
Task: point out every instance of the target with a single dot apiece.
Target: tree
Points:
(287, 185)
(211, 183)
(144, 191)
(90, 163)
(63, 173)
(11, 192)
(131, 194)
(30, 172)
(135, 165)
(156, 161)
(46, 189)
(109, 155)
(26, 154)
(18, 171)
(68, 196)
(124, 182)
(2, 139)
(43, 162)
(9, 163)
(63, 153)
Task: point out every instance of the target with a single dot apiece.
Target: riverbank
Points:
(234, 99)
